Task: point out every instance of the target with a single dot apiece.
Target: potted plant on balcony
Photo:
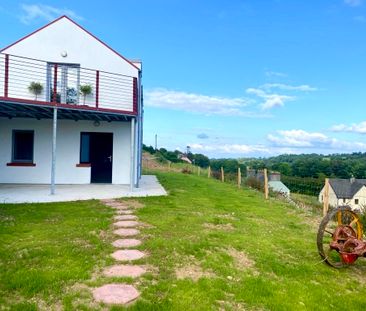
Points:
(85, 90)
(35, 88)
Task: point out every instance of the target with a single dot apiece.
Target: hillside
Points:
(211, 246)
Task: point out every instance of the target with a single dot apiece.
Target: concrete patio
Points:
(25, 193)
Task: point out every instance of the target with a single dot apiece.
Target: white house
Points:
(351, 192)
(54, 133)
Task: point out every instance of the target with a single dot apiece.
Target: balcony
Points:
(37, 83)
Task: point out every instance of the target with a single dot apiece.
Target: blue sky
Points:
(233, 78)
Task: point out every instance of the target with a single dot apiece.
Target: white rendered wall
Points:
(67, 153)
(81, 48)
(64, 37)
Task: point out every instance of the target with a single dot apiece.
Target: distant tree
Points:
(201, 160)
(149, 149)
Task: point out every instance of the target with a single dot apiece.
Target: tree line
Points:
(304, 173)
(313, 165)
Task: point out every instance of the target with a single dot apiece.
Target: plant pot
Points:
(348, 258)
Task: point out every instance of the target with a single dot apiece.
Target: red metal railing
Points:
(68, 85)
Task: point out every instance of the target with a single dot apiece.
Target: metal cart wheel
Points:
(341, 216)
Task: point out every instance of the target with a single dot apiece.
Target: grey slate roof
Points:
(346, 188)
(278, 186)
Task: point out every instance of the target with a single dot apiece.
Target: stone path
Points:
(126, 223)
(126, 232)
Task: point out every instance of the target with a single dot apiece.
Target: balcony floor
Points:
(32, 193)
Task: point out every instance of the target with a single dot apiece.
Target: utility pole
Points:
(156, 142)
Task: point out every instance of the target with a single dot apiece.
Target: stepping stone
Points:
(126, 243)
(125, 217)
(115, 294)
(126, 232)
(124, 271)
(106, 201)
(126, 224)
(127, 254)
(124, 212)
(118, 206)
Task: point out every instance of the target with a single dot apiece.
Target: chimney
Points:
(275, 176)
(352, 179)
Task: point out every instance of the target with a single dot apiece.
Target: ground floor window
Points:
(85, 148)
(23, 145)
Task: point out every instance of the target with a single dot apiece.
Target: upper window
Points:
(23, 142)
(67, 83)
(356, 201)
(344, 200)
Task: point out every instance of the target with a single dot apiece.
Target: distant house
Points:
(350, 192)
(274, 181)
(184, 158)
(279, 186)
(70, 110)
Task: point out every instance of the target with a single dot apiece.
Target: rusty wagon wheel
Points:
(340, 216)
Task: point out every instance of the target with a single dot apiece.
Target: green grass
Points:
(308, 202)
(47, 248)
(251, 254)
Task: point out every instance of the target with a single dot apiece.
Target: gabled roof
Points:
(3, 50)
(346, 188)
(278, 186)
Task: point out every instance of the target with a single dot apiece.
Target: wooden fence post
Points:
(222, 174)
(199, 171)
(265, 184)
(326, 197)
(209, 172)
(239, 178)
(169, 165)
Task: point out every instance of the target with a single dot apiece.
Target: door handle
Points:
(110, 158)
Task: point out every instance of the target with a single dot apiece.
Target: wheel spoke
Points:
(355, 220)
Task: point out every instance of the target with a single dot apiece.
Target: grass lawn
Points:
(211, 247)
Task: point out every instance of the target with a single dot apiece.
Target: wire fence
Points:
(39, 81)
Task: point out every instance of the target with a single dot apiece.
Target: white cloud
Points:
(274, 99)
(297, 138)
(281, 86)
(353, 2)
(229, 148)
(270, 100)
(304, 139)
(275, 74)
(34, 12)
(355, 128)
(198, 103)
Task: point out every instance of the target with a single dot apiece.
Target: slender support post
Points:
(326, 197)
(135, 95)
(239, 178)
(265, 184)
(132, 162)
(222, 174)
(53, 165)
(209, 172)
(6, 76)
(54, 99)
(199, 171)
(97, 89)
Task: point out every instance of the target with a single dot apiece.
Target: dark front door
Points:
(101, 150)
